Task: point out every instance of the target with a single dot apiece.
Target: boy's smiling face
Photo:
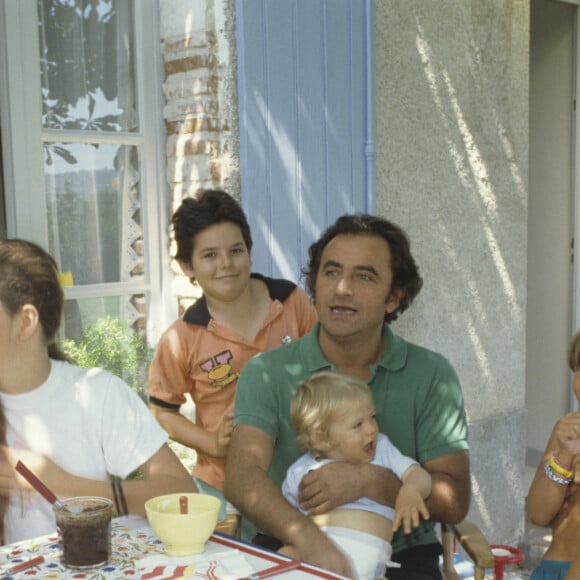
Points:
(221, 262)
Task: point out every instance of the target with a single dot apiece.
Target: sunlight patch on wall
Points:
(502, 269)
(480, 353)
(475, 300)
(477, 495)
(511, 162)
(474, 157)
(469, 164)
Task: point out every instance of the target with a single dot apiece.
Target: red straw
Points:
(183, 504)
(279, 569)
(37, 484)
(25, 565)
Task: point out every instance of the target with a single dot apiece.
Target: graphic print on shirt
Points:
(218, 369)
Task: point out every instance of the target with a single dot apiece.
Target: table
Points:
(138, 554)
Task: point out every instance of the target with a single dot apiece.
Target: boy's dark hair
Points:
(194, 215)
(406, 278)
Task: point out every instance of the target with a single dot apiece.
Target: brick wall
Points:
(201, 104)
(200, 112)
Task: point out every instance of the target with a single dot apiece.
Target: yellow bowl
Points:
(183, 534)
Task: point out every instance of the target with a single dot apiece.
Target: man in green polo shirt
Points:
(361, 275)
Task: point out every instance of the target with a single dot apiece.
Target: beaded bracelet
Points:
(122, 499)
(554, 477)
(115, 497)
(559, 469)
(119, 497)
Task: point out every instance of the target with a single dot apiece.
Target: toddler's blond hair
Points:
(317, 402)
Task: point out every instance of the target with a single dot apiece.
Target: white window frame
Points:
(23, 138)
(575, 242)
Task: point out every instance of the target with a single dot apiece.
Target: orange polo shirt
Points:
(196, 355)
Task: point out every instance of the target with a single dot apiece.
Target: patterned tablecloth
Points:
(128, 545)
(138, 554)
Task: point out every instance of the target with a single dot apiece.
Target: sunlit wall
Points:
(452, 163)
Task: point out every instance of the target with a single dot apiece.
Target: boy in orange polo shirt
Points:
(239, 315)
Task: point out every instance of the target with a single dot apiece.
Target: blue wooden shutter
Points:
(306, 121)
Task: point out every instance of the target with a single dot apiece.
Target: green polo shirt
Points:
(417, 396)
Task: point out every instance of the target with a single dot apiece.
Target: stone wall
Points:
(201, 99)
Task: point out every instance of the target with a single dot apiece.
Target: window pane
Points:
(87, 68)
(109, 333)
(94, 211)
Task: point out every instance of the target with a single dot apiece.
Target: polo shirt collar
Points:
(394, 352)
(311, 354)
(278, 289)
(393, 358)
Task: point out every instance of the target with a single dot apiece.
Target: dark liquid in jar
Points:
(85, 537)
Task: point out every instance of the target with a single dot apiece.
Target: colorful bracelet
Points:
(556, 457)
(552, 476)
(557, 468)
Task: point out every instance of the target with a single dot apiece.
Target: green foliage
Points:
(110, 345)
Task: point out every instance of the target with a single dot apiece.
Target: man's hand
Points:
(318, 550)
(328, 487)
(341, 482)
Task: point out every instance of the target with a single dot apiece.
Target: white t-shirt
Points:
(89, 422)
(386, 455)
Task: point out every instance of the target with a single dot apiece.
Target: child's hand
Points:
(224, 435)
(409, 507)
(568, 433)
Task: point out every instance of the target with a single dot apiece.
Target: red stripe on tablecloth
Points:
(270, 556)
(161, 570)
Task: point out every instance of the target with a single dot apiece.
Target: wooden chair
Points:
(472, 541)
(231, 525)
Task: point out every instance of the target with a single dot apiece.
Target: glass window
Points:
(96, 205)
(94, 211)
(86, 64)
(81, 124)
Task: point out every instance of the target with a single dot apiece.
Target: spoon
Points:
(39, 486)
(183, 509)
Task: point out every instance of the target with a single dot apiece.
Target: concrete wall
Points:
(452, 162)
(549, 326)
